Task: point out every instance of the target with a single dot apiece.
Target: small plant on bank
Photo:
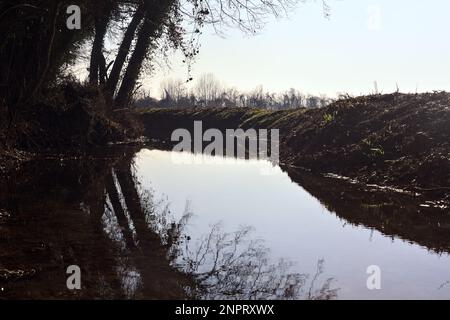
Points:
(328, 118)
(372, 150)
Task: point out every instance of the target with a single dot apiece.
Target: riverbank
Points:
(396, 142)
(71, 118)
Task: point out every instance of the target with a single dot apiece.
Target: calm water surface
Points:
(293, 224)
(145, 225)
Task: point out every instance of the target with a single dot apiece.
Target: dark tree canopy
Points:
(36, 45)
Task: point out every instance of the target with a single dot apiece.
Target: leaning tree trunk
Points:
(154, 20)
(97, 52)
(135, 64)
(97, 63)
(124, 49)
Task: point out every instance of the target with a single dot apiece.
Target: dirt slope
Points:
(396, 140)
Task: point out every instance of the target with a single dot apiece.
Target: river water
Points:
(151, 224)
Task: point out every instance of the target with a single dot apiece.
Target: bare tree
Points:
(102, 14)
(312, 102)
(173, 90)
(209, 92)
(123, 51)
(208, 88)
(169, 18)
(249, 16)
(155, 18)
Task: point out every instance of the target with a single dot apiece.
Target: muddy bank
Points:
(69, 118)
(397, 140)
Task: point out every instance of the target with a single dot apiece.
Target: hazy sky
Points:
(402, 41)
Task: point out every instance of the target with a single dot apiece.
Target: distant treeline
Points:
(210, 92)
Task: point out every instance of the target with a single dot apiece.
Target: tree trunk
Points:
(111, 84)
(153, 22)
(97, 52)
(97, 63)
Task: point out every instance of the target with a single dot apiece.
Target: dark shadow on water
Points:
(91, 212)
(396, 215)
(74, 212)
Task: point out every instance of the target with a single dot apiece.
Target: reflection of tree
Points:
(233, 266)
(446, 283)
(325, 292)
(142, 263)
(227, 265)
(126, 241)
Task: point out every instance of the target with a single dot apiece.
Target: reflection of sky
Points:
(293, 225)
(364, 41)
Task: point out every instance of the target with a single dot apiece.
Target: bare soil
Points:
(397, 140)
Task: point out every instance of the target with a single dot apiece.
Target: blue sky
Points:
(396, 41)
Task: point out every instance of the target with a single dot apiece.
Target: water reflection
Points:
(96, 213)
(393, 214)
(222, 265)
(81, 211)
(235, 266)
(304, 217)
(92, 212)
